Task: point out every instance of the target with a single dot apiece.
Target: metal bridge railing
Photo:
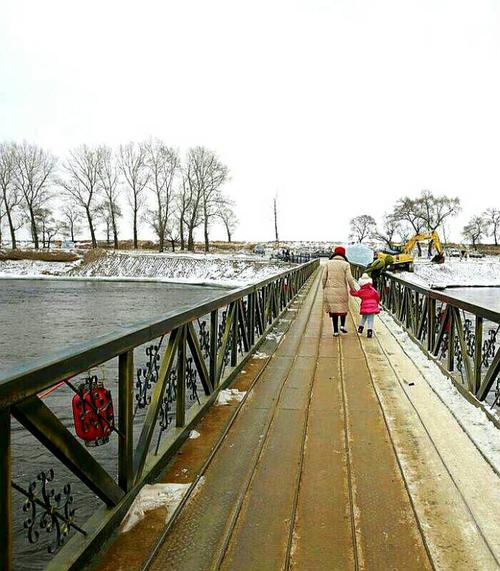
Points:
(461, 337)
(189, 355)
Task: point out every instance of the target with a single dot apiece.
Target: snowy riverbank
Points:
(457, 273)
(224, 270)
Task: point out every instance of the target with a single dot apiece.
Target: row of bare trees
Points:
(175, 195)
(481, 225)
(410, 215)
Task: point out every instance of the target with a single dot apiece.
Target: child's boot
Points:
(360, 329)
(369, 333)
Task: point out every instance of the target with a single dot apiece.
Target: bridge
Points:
(336, 454)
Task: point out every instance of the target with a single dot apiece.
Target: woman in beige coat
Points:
(337, 282)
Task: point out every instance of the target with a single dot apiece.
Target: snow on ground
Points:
(216, 269)
(473, 420)
(35, 268)
(153, 496)
(228, 395)
(194, 434)
(219, 269)
(259, 355)
(483, 272)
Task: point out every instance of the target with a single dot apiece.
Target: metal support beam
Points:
(214, 329)
(478, 355)
(180, 411)
(6, 525)
(199, 361)
(36, 417)
(125, 420)
(491, 374)
(142, 449)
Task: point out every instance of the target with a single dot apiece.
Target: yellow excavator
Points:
(402, 258)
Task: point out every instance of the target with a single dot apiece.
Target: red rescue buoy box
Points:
(93, 414)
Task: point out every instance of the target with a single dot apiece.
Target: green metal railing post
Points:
(126, 420)
(214, 330)
(478, 355)
(6, 527)
(431, 324)
(180, 416)
(451, 340)
(234, 337)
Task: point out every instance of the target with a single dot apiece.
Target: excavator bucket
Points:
(438, 259)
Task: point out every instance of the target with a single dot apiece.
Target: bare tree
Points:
(172, 230)
(227, 216)
(72, 218)
(475, 229)
(408, 210)
(10, 196)
(34, 169)
(205, 176)
(47, 224)
(2, 216)
(362, 227)
(163, 165)
(81, 182)
(110, 178)
(275, 213)
(133, 166)
(391, 227)
(191, 215)
(492, 218)
(184, 199)
(434, 210)
(105, 213)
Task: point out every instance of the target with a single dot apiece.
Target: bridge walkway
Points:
(341, 457)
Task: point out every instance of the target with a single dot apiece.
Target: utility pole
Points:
(275, 209)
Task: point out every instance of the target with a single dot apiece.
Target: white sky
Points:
(340, 106)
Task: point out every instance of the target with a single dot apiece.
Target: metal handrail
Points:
(22, 382)
(438, 323)
(251, 312)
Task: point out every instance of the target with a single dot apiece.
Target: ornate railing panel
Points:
(162, 376)
(462, 337)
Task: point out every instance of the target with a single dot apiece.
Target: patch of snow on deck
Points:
(153, 496)
(474, 421)
(194, 434)
(228, 395)
(259, 355)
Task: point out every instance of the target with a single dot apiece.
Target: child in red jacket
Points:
(370, 303)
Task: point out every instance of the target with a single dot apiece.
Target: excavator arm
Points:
(432, 236)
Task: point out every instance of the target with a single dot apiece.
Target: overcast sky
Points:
(339, 106)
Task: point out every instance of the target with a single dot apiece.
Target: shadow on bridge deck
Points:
(331, 463)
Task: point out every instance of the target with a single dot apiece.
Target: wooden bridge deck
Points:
(341, 457)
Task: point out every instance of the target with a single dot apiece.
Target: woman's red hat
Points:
(339, 250)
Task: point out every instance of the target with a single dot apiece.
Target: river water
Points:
(485, 296)
(39, 317)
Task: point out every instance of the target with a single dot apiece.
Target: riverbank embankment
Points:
(211, 269)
